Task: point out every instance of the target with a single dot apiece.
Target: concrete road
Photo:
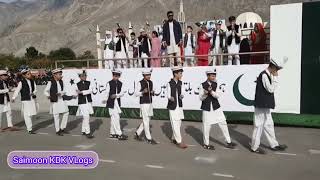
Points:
(121, 160)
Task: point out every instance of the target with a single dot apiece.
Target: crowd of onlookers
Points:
(171, 46)
(41, 77)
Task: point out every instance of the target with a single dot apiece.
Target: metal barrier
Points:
(222, 55)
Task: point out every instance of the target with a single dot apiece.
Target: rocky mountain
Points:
(51, 24)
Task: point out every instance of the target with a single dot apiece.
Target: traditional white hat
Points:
(83, 72)
(219, 22)
(24, 70)
(108, 32)
(3, 72)
(213, 71)
(280, 63)
(115, 71)
(147, 72)
(177, 68)
(56, 70)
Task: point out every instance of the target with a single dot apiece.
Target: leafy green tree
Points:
(87, 55)
(31, 53)
(62, 54)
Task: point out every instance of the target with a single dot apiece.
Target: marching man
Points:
(114, 93)
(28, 89)
(264, 102)
(175, 96)
(84, 103)
(56, 94)
(144, 90)
(211, 111)
(4, 99)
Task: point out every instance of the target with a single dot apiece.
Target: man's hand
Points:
(145, 90)
(205, 92)
(275, 73)
(74, 97)
(59, 94)
(79, 92)
(113, 96)
(171, 99)
(164, 44)
(48, 97)
(210, 89)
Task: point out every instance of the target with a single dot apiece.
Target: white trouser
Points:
(64, 121)
(217, 60)
(86, 125)
(28, 121)
(172, 57)
(263, 122)
(236, 60)
(145, 126)
(115, 127)
(145, 61)
(122, 62)
(188, 62)
(9, 118)
(176, 126)
(109, 64)
(223, 127)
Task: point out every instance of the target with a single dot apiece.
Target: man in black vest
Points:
(264, 102)
(211, 110)
(233, 41)
(114, 93)
(27, 88)
(4, 99)
(189, 42)
(175, 95)
(218, 43)
(84, 91)
(144, 90)
(122, 45)
(58, 105)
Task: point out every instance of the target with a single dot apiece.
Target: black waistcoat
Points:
(6, 95)
(82, 86)
(221, 35)
(118, 45)
(205, 105)
(237, 38)
(25, 90)
(115, 88)
(185, 41)
(263, 98)
(175, 88)
(54, 90)
(146, 97)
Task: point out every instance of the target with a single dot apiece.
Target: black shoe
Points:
(137, 137)
(89, 136)
(258, 151)
(83, 133)
(64, 131)
(113, 136)
(59, 133)
(174, 141)
(152, 141)
(281, 147)
(122, 137)
(209, 147)
(231, 145)
(31, 132)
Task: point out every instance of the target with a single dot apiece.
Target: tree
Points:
(86, 55)
(62, 54)
(32, 53)
(11, 62)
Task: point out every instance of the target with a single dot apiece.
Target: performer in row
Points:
(58, 105)
(84, 91)
(114, 93)
(144, 90)
(175, 96)
(5, 106)
(211, 110)
(28, 89)
(267, 82)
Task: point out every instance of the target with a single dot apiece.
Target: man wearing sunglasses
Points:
(172, 38)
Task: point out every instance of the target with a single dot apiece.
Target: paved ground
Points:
(138, 160)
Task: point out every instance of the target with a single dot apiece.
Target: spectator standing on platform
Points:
(218, 44)
(233, 41)
(144, 48)
(122, 46)
(189, 42)
(203, 45)
(155, 50)
(133, 50)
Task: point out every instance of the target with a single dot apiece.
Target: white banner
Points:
(238, 83)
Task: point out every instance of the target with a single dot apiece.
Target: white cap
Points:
(108, 32)
(24, 70)
(279, 64)
(83, 72)
(3, 72)
(115, 71)
(56, 70)
(211, 71)
(147, 72)
(177, 68)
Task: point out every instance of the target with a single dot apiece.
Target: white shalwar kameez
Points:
(85, 110)
(29, 108)
(122, 55)
(213, 117)
(189, 51)
(115, 128)
(173, 49)
(263, 122)
(176, 115)
(146, 112)
(5, 107)
(233, 48)
(108, 54)
(57, 108)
